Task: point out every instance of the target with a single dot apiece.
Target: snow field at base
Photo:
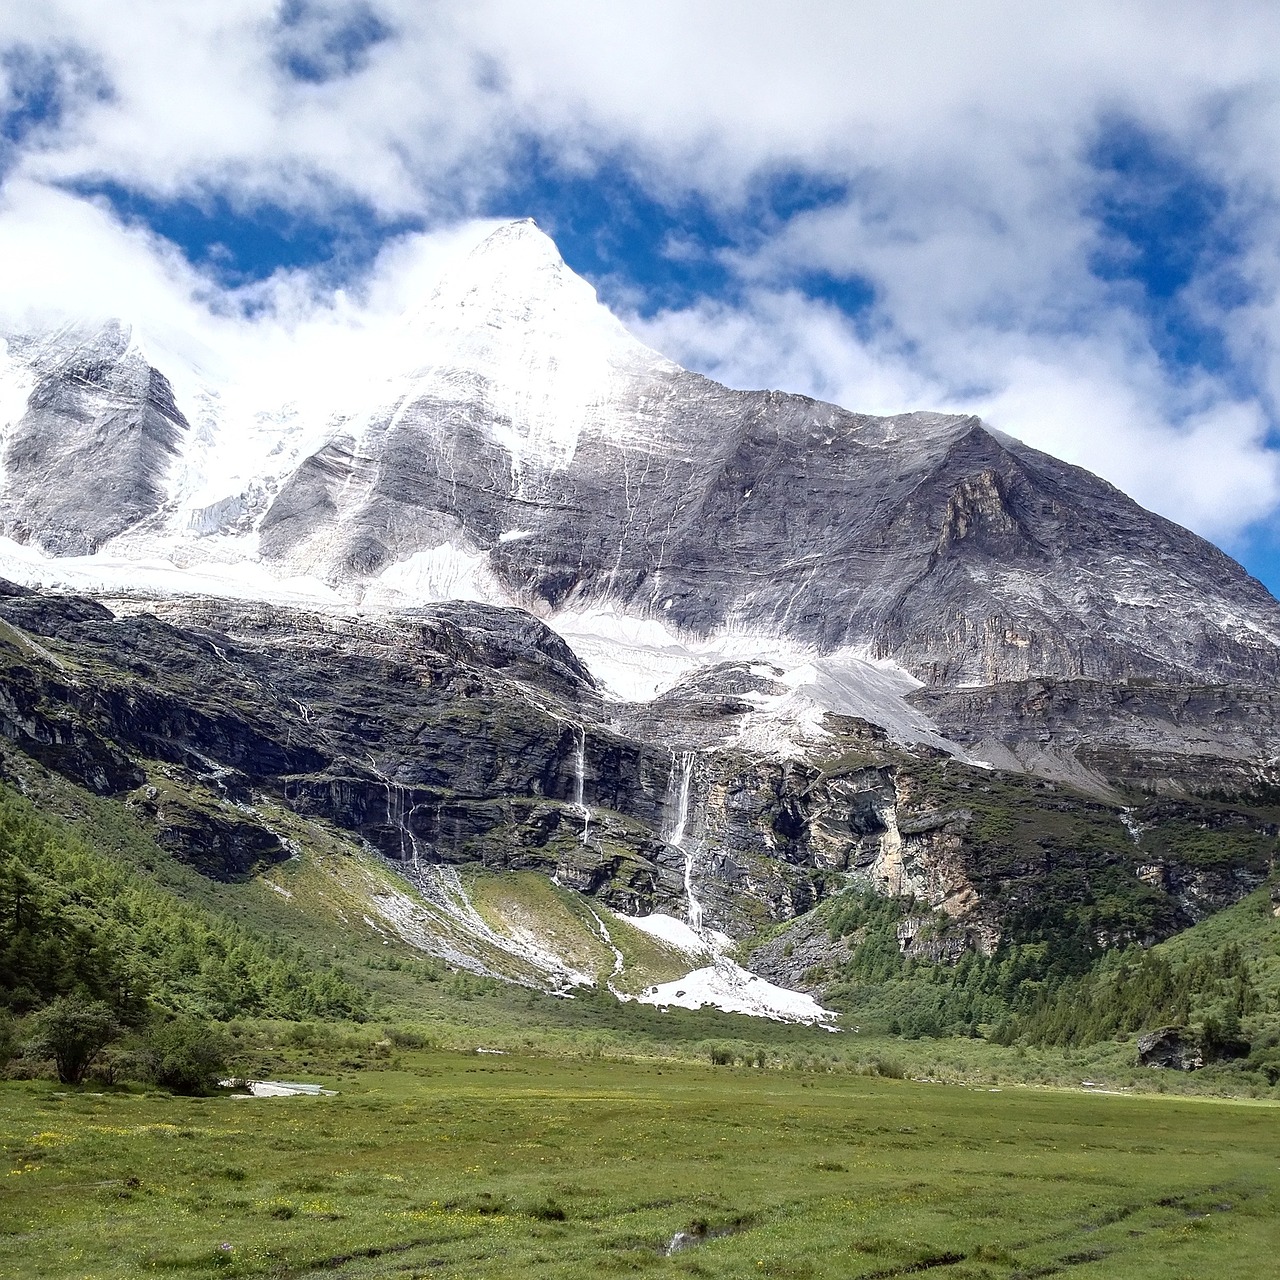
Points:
(441, 919)
(445, 572)
(728, 986)
(723, 983)
(634, 659)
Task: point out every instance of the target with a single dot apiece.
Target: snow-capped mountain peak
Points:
(513, 332)
(515, 444)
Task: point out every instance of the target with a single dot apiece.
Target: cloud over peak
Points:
(1064, 219)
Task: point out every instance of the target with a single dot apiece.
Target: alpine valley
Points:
(535, 656)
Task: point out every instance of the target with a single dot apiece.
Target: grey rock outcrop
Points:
(90, 456)
(1173, 1048)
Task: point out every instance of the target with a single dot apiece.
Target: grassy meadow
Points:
(485, 1129)
(471, 1164)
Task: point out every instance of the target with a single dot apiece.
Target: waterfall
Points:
(407, 830)
(678, 793)
(619, 960)
(1133, 827)
(399, 818)
(579, 762)
(580, 768)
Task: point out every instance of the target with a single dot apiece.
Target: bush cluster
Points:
(79, 1034)
(75, 921)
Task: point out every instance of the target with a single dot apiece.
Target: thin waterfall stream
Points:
(580, 769)
(678, 795)
(400, 815)
(579, 763)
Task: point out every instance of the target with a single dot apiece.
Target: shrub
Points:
(187, 1056)
(118, 1062)
(404, 1039)
(72, 1031)
(548, 1211)
(302, 1035)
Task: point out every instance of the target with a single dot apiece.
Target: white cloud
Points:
(961, 130)
(65, 256)
(788, 341)
(711, 92)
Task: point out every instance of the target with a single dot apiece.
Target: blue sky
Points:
(1064, 221)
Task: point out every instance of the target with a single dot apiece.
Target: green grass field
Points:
(601, 1129)
(456, 1164)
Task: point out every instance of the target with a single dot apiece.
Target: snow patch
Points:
(111, 572)
(634, 659)
(681, 935)
(719, 981)
(445, 572)
(637, 659)
(278, 1089)
(728, 986)
(848, 683)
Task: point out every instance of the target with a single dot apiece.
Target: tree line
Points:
(92, 952)
(1030, 992)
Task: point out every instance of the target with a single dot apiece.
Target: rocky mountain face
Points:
(528, 451)
(464, 735)
(540, 599)
(89, 456)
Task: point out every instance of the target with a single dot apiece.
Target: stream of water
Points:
(580, 769)
(679, 791)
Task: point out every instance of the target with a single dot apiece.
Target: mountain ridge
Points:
(520, 448)
(529, 599)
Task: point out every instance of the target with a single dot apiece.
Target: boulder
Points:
(1170, 1047)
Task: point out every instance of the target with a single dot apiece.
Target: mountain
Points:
(90, 455)
(530, 452)
(528, 596)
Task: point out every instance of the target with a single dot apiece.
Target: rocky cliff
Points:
(464, 735)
